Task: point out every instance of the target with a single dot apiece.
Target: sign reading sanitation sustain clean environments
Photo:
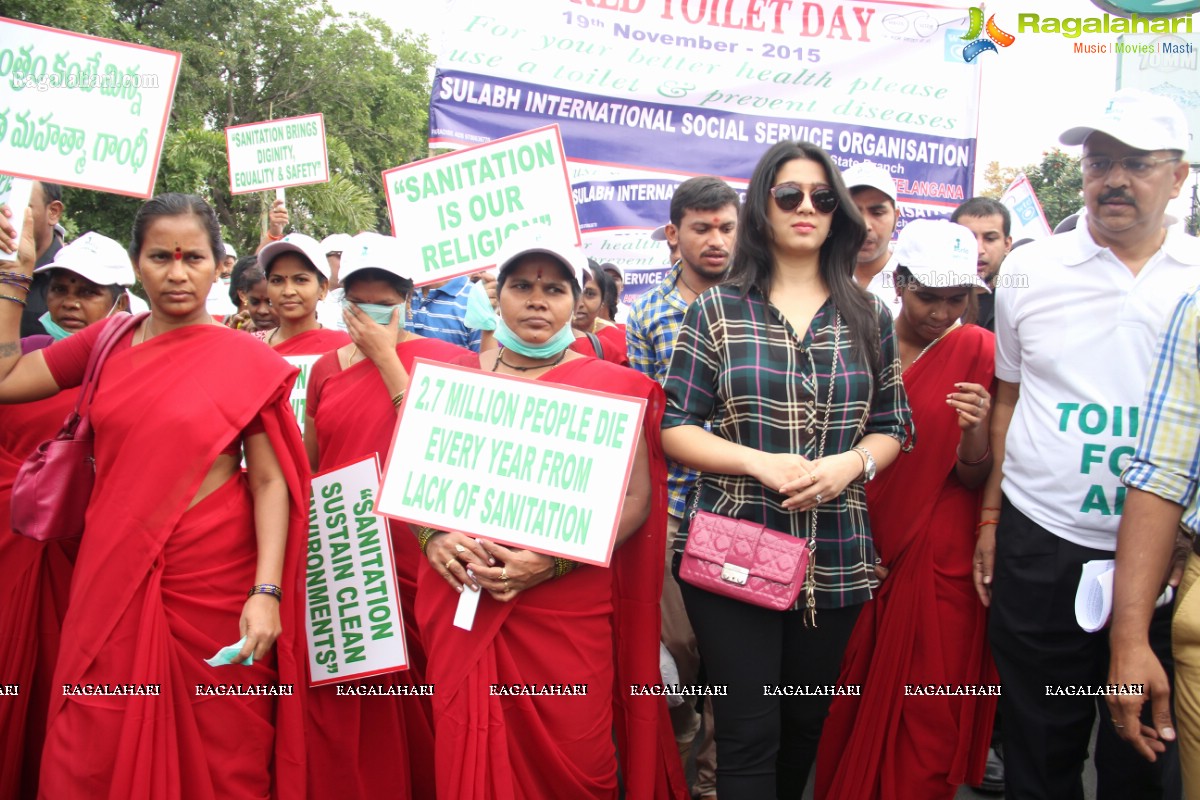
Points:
(277, 154)
(81, 110)
(352, 604)
(527, 463)
(452, 213)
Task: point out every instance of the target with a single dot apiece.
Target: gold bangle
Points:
(273, 237)
(398, 398)
(424, 534)
(563, 565)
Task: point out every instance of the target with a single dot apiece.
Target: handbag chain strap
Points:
(810, 578)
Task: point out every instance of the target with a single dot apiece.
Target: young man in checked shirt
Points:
(703, 225)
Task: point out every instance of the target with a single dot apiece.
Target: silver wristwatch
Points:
(868, 473)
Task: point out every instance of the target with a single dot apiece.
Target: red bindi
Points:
(178, 253)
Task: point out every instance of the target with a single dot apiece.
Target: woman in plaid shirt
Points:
(795, 368)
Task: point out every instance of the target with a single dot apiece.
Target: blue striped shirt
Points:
(1167, 460)
(438, 313)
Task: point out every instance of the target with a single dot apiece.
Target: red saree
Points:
(313, 343)
(159, 586)
(925, 625)
(594, 626)
(35, 578)
(612, 346)
(371, 746)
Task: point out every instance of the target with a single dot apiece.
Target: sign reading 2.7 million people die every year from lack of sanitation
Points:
(277, 154)
(527, 463)
(81, 110)
(452, 213)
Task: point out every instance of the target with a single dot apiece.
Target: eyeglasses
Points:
(1137, 166)
(789, 196)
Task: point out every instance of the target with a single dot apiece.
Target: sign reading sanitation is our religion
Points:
(352, 602)
(81, 110)
(526, 463)
(452, 213)
(277, 154)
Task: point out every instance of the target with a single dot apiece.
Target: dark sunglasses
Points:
(789, 196)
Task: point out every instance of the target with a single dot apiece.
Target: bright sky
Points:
(1031, 92)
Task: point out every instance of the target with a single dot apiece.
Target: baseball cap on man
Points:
(1138, 118)
(95, 257)
(299, 243)
(659, 234)
(370, 250)
(939, 254)
(229, 251)
(869, 174)
(540, 239)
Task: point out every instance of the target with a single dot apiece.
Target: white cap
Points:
(610, 267)
(870, 174)
(371, 251)
(659, 234)
(939, 254)
(306, 246)
(97, 258)
(541, 239)
(336, 243)
(229, 251)
(1137, 118)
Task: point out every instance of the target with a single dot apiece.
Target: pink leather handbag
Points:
(744, 560)
(51, 491)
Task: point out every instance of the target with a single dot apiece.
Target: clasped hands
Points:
(808, 484)
(469, 563)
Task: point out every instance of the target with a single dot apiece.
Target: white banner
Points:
(299, 396)
(277, 154)
(81, 110)
(1028, 218)
(352, 602)
(527, 463)
(451, 213)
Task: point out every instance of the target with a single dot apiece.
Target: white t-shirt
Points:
(1079, 332)
(883, 286)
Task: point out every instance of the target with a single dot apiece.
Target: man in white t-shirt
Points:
(874, 192)
(1074, 349)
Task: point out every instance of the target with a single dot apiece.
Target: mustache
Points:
(1116, 194)
(721, 253)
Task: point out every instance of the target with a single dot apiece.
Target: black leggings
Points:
(746, 648)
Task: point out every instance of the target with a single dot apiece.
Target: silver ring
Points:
(819, 499)
(458, 548)
(981, 401)
(1118, 727)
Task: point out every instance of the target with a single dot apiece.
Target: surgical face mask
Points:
(53, 328)
(552, 347)
(59, 332)
(381, 314)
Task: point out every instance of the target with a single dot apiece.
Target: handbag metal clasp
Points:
(731, 573)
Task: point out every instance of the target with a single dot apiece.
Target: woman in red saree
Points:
(182, 553)
(297, 280)
(368, 746)
(925, 627)
(545, 621)
(87, 280)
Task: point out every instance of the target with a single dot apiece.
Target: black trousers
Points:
(765, 744)
(1038, 645)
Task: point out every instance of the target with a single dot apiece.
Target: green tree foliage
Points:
(251, 60)
(1057, 182)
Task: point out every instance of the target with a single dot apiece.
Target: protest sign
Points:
(81, 110)
(14, 193)
(1028, 220)
(527, 463)
(451, 213)
(277, 154)
(352, 602)
(706, 88)
(299, 396)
